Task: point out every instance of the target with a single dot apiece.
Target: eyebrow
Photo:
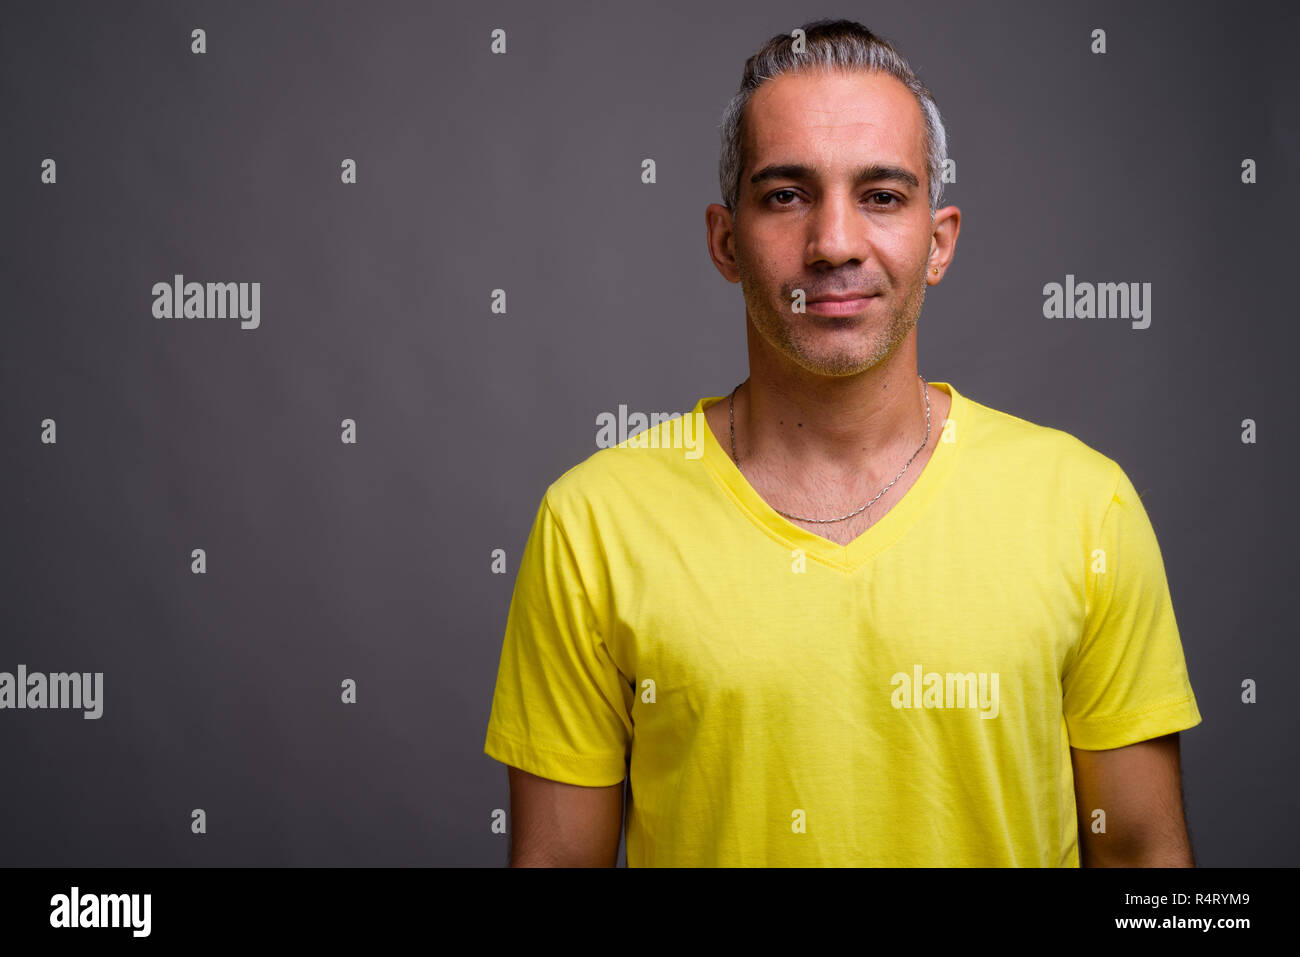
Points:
(874, 173)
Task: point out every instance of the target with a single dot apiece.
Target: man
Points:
(875, 622)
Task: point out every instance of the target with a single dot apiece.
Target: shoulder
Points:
(1034, 456)
(618, 484)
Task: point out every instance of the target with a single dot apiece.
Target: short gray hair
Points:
(830, 45)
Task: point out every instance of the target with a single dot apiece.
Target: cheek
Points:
(758, 271)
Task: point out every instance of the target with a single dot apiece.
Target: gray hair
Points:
(830, 45)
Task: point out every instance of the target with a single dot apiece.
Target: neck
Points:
(861, 425)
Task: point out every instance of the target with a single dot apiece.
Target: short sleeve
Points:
(561, 706)
(1127, 681)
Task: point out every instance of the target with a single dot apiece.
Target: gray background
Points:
(522, 171)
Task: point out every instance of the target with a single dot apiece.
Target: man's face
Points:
(826, 229)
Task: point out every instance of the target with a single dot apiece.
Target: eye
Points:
(889, 199)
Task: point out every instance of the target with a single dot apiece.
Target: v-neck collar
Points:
(877, 537)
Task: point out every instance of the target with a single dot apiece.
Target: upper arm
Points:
(1139, 787)
(1126, 679)
(1126, 695)
(561, 712)
(553, 824)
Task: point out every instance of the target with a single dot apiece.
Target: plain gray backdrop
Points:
(522, 172)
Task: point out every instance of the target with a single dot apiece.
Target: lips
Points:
(843, 297)
(841, 304)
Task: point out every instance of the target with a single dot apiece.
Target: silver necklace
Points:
(731, 410)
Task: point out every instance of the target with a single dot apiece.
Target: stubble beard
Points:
(801, 336)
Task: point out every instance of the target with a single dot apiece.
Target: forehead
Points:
(856, 117)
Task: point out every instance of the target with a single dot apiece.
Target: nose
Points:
(837, 231)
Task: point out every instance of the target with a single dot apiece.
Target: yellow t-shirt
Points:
(780, 700)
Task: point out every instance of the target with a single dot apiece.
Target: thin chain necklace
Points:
(731, 410)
